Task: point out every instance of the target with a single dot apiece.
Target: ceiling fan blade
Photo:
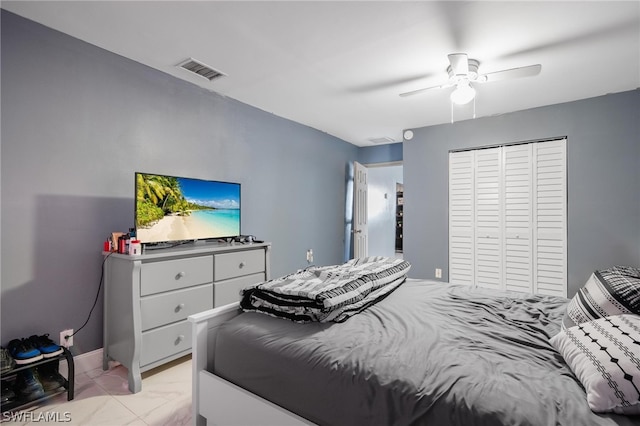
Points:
(459, 63)
(520, 72)
(415, 92)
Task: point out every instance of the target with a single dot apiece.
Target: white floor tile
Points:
(103, 398)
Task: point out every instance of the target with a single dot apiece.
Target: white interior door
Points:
(550, 218)
(488, 218)
(518, 217)
(508, 217)
(360, 207)
(461, 216)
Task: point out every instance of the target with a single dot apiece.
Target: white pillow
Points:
(605, 356)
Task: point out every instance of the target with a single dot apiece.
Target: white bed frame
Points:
(216, 401)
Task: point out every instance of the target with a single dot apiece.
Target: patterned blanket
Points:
(328, 293)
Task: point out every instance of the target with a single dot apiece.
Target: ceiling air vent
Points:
(201, 69)
(384, 139)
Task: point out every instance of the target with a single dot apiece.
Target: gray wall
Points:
(78, 121)
(391, 152)
(603, 155)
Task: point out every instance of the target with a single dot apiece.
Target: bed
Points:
(427, 353)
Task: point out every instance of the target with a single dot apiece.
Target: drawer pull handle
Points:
(179, 339)
(180, 307)
(241, 265)
(180, 275)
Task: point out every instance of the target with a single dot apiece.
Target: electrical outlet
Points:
(438, 273)
(310, 256)
(66, 338)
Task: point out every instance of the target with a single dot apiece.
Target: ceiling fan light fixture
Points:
(463, 93)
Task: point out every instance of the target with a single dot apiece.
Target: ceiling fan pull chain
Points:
(474, 107)
(451, 102)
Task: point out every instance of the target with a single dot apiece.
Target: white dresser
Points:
(147, 298)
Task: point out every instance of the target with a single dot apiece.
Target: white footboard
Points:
(214, 399)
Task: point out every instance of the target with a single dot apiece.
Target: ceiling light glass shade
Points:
(463, 94)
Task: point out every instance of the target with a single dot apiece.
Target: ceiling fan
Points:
(463, 73)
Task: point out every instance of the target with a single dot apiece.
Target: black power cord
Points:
(95, 301)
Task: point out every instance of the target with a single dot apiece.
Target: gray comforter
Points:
(430, 353)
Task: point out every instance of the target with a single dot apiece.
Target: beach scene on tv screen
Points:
(173, 208)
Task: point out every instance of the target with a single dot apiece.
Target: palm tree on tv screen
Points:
(157, 196)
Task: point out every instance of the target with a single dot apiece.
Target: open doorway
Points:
(384, 215)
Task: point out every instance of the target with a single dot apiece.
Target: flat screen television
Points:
(171, 209)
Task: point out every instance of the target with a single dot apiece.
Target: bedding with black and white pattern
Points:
(605, 356)
(612, 291)
(328, 293)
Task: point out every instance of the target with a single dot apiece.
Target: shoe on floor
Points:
(23, 351)
(7, 394)
(49, 376)
(28, 385)
(52, 381)
(47, 347)
(6, 362)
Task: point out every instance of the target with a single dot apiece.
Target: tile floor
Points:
(103, 398)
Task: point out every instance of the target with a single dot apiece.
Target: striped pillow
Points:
(605, 356)
(612, 291)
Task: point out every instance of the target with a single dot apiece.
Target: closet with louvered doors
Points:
(507, 217)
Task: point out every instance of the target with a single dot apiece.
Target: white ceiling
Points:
(339, 66)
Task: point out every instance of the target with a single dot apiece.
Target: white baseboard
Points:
(84, 362)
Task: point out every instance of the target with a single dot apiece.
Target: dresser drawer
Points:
(228, 291)
(165, 341)
(156, 277)
(231, 265)
(172, 306)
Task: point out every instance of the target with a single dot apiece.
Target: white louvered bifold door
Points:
(507, 217)
(461, 218)
(488, 220)
(518, 220)
(550, 213)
